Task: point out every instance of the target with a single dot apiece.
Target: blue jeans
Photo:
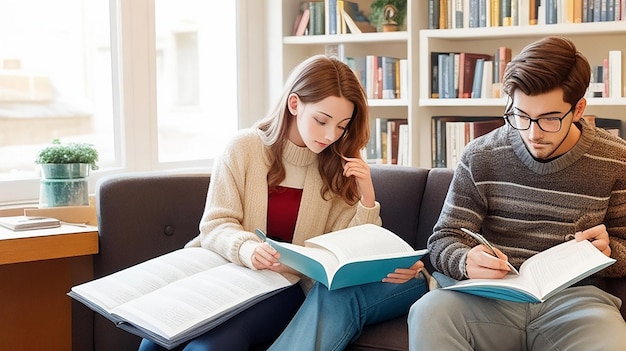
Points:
(330, 320)
(258, 325)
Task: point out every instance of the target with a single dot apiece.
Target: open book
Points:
(356, 255)
(542, 275)
(175, 297)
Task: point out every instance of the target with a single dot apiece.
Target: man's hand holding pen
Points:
(485, 260)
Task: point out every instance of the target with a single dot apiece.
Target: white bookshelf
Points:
(594, 40)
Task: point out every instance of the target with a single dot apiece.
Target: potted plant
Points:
(388, 15)
(65, 168)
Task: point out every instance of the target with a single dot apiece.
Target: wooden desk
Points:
(37, 269)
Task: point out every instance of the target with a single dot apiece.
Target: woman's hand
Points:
(360, 170)
(403, 275)
(266, 257)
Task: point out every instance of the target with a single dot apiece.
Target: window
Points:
(137, 78)
(196, 77)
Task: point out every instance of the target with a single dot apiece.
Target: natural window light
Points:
(138, 79)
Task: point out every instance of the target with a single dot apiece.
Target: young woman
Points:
(298, 174)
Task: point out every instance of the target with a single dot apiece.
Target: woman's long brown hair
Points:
(313, 80)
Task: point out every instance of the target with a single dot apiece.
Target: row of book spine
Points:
(330, 17)
(466, 74)
(446, 14)
(382, 77)
(450, 134)
(606, 79)
(389, 141)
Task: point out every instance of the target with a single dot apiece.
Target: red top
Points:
(282, 211)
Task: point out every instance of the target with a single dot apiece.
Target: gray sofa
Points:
(148, 214)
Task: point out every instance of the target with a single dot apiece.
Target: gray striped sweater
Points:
(524, 206)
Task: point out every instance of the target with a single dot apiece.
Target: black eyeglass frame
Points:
(508, 113)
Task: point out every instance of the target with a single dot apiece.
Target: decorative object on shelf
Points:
(65, 168)
(388, 15)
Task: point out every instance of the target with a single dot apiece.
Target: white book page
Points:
(561, 264)
(361, 242)
(115, 289)
(184, 304)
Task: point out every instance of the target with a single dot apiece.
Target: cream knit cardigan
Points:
(237, 200)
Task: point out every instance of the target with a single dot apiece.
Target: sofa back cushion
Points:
(410, 200)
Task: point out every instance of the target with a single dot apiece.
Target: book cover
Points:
(357, 255)
(542, 275)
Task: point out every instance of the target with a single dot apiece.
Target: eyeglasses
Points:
(549, 124)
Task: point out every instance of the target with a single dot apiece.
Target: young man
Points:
(527, 186)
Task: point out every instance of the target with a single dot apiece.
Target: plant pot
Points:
(65, 170)
(64, 192)
(64, 185)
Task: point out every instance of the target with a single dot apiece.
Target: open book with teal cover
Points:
(542, 275)
(352, 256)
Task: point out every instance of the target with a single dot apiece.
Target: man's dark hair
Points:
(545, 65)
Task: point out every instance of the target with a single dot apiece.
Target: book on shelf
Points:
(477, 81)
(403, 145)
(467, 67)
(543, 275)
(393, 139)
(501, 58)
(302, 20)
(177, 296)
(615, 73)
(21, 223)
(450, 135)
(317, 21)
(356, 255)
(487, 79)
(385, 142)
(389, 70)
(381, 76)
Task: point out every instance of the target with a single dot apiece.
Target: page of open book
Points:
(184, 304)
(361, 242)
(113, 290)
(562, 264)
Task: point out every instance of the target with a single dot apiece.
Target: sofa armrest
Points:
(140, 216)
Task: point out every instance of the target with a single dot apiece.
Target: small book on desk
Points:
(178, 296)
(21, 223)
(542, 275)
(356, 255)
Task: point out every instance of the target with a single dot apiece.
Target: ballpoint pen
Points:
(481, 239)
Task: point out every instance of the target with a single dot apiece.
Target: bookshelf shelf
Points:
(389, 37)
(569, 29)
